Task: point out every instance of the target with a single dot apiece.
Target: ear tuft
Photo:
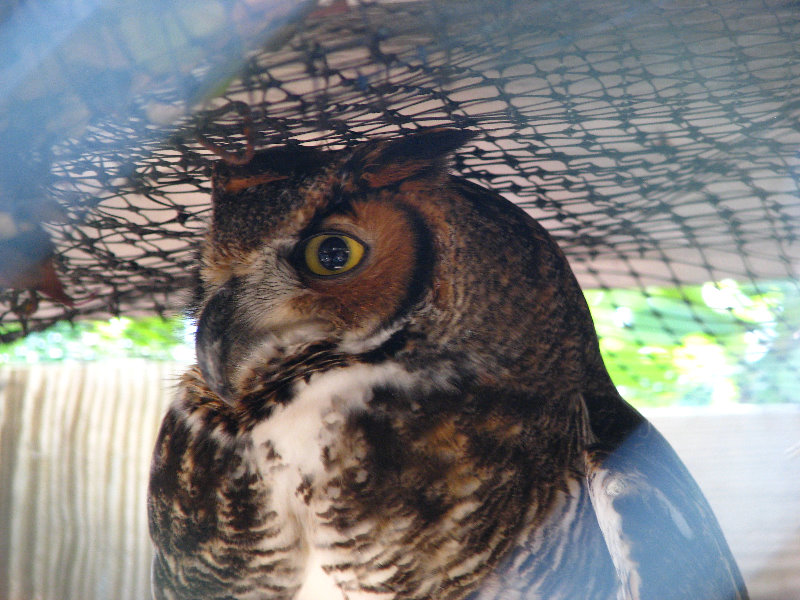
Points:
(427, 144)
(420, 154)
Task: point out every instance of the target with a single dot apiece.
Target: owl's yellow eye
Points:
(332, 253)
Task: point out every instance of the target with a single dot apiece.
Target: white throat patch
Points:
(300, 429)
(297, 433)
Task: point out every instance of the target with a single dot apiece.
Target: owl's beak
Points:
(226, 343)
(216, 334)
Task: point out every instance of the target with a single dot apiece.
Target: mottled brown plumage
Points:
(399, 395)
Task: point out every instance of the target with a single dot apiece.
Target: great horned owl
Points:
(399, 395)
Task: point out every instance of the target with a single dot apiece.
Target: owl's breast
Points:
(388, 487)
(311, 462)
(300, 432)
(367, 482)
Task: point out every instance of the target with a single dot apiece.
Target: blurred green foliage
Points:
(121, 337)
(711, 344)
(715, 343)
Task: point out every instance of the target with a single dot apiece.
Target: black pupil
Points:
(333, 253)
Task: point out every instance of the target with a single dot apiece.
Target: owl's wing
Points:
(662, 535)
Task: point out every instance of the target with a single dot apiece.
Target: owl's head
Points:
(379, 253)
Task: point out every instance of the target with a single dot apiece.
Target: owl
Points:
(399, 394)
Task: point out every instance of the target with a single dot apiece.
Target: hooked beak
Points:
(225, 341)
(216, 335)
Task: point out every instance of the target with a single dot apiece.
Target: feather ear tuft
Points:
(420, 154)
(427, 144)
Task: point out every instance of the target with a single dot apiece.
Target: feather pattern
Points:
(426, 418)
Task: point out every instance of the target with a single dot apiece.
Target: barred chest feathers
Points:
(299, 451)
(354, 490)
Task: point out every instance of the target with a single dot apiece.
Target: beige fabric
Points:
(75, 441)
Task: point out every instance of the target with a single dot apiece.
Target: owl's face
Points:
(380, 252)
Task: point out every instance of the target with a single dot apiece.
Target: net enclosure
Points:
(657, 141)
